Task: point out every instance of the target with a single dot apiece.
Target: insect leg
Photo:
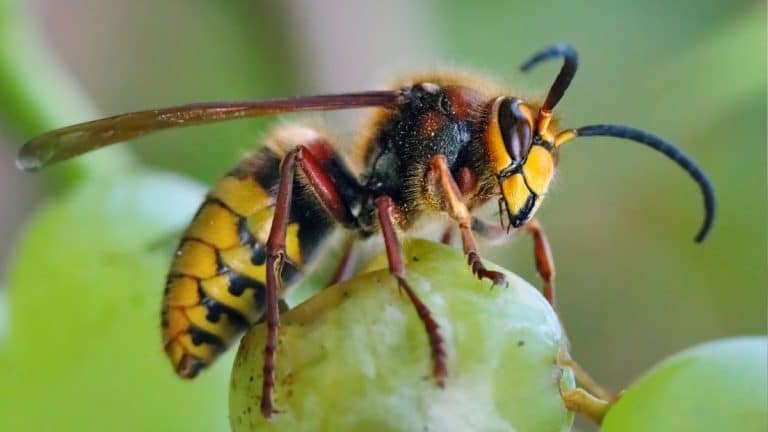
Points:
(346, 263)
(581, 401)
(583, 377)
(447, 237)
(328, 195)
(545, 265)
(440, 176)
(385, 206)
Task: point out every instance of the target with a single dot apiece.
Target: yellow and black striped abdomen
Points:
(216, 285)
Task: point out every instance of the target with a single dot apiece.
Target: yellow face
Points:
(524, 162)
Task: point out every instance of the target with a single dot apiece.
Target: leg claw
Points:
(479, 270)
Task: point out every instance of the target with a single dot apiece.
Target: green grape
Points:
(355, 356)
(718, 386)
(84, 350)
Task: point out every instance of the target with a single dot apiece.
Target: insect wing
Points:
(66, 143)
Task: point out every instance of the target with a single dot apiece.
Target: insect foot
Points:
(479, 270)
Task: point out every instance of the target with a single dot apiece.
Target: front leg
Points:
(440, 179)
(542, 252)
(545, 265)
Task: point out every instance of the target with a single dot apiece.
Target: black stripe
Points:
(523, 214)
(220, 203)
(216, 309)
(179, 275)
(246, 238)
(239, 283)
(266, 170)
(313, 221)
(199, 240)
(263, 167)
(200, 336)
(258, 254)
(164, 317)
(548, 146)
(215, 201)
(290, 272)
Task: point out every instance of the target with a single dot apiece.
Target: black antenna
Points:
(567, 72)
(671, 152)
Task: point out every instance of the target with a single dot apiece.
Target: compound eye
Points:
(515, 129)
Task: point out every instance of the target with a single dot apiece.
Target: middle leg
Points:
(385, 206)
(346, 264)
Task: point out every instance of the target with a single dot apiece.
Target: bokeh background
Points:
(633, 286)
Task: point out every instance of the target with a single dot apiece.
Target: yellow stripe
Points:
(259, 224)
(215, 225)
(217, 288)
(239, 260)
(292, 244)
(195, 259)
(182, 291)
(176, 323)
(175, 352)
(243, 195)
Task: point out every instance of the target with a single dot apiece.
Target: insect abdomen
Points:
(216, 285)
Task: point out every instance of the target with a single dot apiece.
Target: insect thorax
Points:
(432, 120)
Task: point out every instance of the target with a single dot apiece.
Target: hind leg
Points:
(309, 160)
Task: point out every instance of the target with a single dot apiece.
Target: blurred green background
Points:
(633, 287)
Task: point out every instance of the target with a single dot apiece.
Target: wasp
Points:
(437, 144)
